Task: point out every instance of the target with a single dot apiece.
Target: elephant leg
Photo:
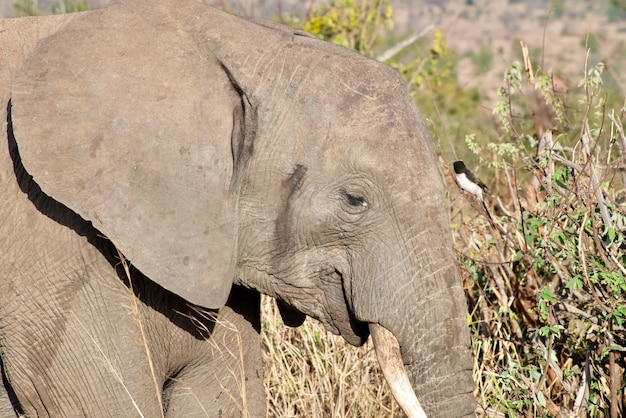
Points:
(8, 404)
(70, 339)
(77, 342)
(229, 378)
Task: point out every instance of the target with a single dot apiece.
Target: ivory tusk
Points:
(390, 360)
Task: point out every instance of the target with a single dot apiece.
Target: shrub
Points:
(547, 285)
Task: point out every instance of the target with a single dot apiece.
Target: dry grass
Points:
(312, 373)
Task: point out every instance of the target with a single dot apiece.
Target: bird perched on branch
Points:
(470, 183)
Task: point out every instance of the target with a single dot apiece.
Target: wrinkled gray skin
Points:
(223, 158)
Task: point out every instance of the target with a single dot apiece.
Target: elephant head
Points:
(212, 150)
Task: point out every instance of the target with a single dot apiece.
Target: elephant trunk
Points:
(434, 343)
(453, 392)
(425, 313)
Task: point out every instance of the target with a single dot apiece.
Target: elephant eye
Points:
(354, 200)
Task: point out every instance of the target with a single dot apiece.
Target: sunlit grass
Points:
(312, 373)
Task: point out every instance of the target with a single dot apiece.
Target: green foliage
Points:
(430, 70)
(69, 7)
(22, 8)
(557, 7)
(482, 60)
(503, 108)
(436, 68)
(352, 24)
(560, 250)
(591, 41)
(616, 10)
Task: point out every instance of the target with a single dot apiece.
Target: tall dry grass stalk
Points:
(312, 373)
(139, 319)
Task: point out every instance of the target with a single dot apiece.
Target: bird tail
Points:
(493, 224)
(487, 213)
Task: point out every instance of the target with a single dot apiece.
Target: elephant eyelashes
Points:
(355, 201)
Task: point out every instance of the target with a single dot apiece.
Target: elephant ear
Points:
(120, 118)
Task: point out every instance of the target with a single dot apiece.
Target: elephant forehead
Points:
(385, 145)
(347, 120)
(366, 95)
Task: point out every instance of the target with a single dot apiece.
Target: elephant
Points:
(163, 164)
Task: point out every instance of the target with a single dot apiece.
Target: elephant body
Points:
(75, 339)
(82, 326)
(163, 164)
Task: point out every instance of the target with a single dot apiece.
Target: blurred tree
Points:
(23, 8)
(616, 10)
(352, 24)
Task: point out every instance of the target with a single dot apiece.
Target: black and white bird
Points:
(470, 183)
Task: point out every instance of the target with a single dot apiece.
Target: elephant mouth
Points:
(348, 326)
(356, 333)
(336, 313)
